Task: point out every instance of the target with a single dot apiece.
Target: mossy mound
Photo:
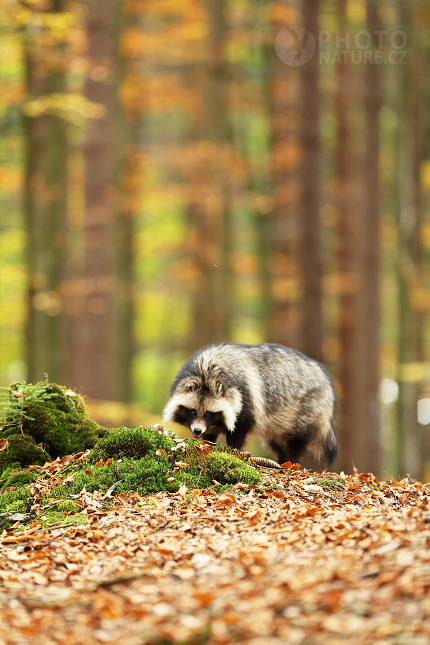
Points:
(117, 463)
(129, 442)
(18, 478)
(42, 422)
(16, 501)
(147, 461)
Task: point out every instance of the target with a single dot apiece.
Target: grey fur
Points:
(273, 391)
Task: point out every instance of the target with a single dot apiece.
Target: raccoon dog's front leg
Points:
(211, 436)
(237, 438)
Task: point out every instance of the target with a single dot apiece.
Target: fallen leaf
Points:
(314, 509)
(21, 538)
(225, 500)
(182, 491)
(3, 444)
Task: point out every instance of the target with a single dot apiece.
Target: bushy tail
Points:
(330, 446)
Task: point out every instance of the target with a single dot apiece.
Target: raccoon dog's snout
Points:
(278, 393)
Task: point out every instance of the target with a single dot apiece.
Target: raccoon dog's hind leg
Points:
(313, 433)
(292, 447)
(310, 440)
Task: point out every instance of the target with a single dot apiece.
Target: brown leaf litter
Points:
(314, 559)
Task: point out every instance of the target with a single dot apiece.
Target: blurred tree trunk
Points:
(409, 155)
(283, 318)
(45, 204)
(348, 257)
(210, 218)
(260, 166)
(203, 294)
(310, 249)
(130, 105)
(91, 328)
(218, 131)
(359, 270)
(371, 429)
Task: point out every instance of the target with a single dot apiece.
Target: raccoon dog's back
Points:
(274, 391)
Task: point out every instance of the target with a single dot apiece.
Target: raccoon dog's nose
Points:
(197, 432)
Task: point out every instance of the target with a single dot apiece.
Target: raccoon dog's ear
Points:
(191, 386)
(219, 387)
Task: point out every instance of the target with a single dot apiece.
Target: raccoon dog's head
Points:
(205, 406)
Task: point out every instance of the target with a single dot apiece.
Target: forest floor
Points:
(313, 559)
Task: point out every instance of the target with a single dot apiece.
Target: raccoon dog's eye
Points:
(207, 416)
(193, 413)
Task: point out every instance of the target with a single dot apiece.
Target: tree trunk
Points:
(45, 204)
(210, 219)
(372, 246)
(348, 265)
(409, 155)
(283, 318)
(310, 250)
(90, 364)
(129, 110)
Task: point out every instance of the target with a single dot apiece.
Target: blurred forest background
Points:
(171, 175)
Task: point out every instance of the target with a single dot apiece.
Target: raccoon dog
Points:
(276, 392)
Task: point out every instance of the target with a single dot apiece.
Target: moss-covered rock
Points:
(42, 422)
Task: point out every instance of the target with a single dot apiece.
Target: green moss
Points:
(332, 482)
(9, 468)
(22, 451)
(147, 461)
(62, 519)
(15, 501)
(45, 421)
(228, 469)
(19, 478)
(46, 414)
(62, 513)
(130, 442)
(66, 506)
